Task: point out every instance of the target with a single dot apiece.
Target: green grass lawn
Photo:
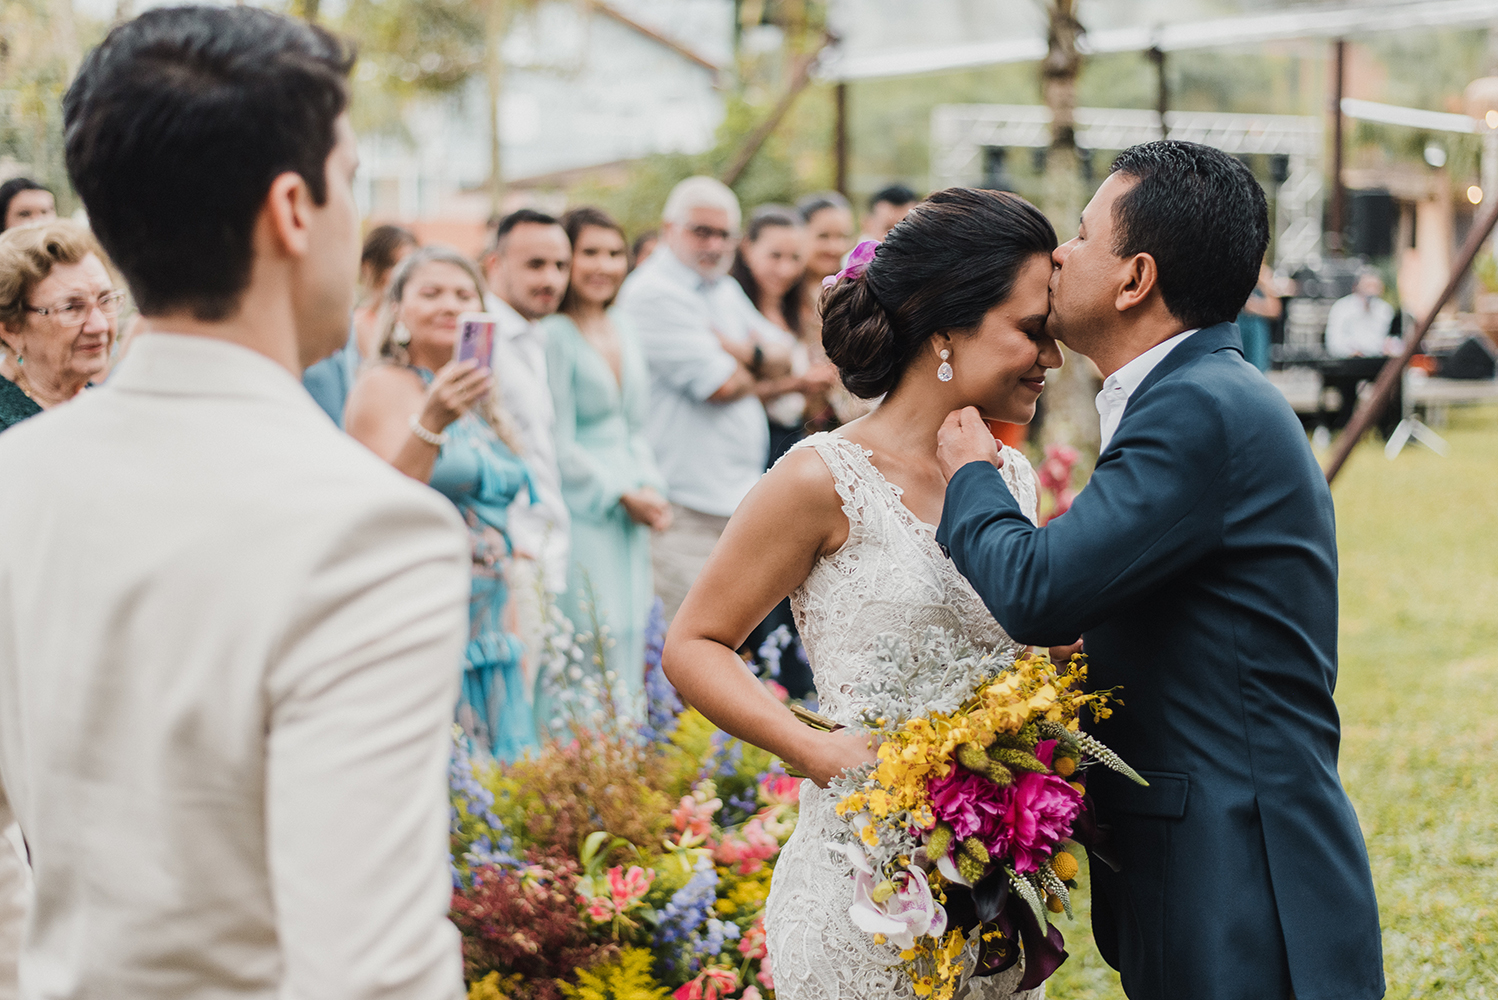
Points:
(1418, 692)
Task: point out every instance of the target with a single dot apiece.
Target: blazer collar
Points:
(174, 364)
(1209, 340)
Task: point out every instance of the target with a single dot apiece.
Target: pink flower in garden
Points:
(694, 816)
(628, 888)
(766, 977)
(778, 690)
(967, 801)
(752, 993)
(1037, 814)
(752, 943)
(600, 909)
(712, 984)
(780, 789)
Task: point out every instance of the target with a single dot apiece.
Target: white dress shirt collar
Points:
(1118, 387)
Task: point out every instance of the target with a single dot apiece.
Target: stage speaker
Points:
(1374, 216)
(1472, 360)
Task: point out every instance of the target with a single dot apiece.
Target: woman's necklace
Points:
(25, 386)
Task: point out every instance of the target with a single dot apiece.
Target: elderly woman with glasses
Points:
(58, 317)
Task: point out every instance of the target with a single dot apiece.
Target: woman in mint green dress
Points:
(601, 390)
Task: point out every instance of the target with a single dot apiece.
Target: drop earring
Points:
(944, 370)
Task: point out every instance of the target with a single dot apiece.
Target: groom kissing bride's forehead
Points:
(1199, 566)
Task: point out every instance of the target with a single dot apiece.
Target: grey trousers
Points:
(678, 554)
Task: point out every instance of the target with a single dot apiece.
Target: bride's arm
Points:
(784, 525)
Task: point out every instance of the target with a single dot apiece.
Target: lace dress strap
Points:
(845, 461)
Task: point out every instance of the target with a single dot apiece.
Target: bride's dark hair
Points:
(953, 258)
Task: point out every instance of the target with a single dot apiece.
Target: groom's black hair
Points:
(1203, 217)
(177, 124)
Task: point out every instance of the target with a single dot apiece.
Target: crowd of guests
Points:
(635, 394)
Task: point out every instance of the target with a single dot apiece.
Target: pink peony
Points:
(968, 802)
(1036, 814)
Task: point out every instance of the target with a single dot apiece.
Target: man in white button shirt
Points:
(230, 637)
(708, 350)
(527, 267)
(1359, 324)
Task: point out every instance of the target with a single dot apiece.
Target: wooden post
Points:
(1162, 97)
(800, 77)
(840, 138)
(1339, 193)
(1388, 378)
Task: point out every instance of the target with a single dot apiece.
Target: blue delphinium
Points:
(662, 703)
(684, 914)
(470, 800)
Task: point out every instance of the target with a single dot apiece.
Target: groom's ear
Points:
(1140, 279)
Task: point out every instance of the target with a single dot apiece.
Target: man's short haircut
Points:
(701, 192)
(1203, 217)
(13, 187)
(896, 195)
(177, 124)
(519, 217)
(814, 203)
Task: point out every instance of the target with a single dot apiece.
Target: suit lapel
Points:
(1198, 345)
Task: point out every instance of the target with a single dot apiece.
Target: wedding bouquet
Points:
(969, 827)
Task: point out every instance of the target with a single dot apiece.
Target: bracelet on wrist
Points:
(434, 438)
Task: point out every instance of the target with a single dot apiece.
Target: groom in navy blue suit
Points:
(1200, 567)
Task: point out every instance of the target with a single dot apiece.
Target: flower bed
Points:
(623, 863)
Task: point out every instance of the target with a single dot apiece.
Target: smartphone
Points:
(476, 338)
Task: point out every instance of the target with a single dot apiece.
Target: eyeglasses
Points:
(75, 312)
(705, 233)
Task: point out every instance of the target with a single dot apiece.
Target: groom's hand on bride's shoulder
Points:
(964, 438)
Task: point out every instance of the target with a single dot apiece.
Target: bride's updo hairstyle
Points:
(953, 258)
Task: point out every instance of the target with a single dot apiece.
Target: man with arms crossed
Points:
(1200, 565)
(230, 638)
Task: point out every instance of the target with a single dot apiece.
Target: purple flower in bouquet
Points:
(1036, 814)
(968, 802)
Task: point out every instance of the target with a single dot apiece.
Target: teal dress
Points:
(602, 454)
(482, 477)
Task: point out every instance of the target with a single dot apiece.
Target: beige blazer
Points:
(230, 647)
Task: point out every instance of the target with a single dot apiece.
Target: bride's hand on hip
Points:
(964, 438)
(835, 752)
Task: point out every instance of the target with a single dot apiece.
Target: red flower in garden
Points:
(712, 984)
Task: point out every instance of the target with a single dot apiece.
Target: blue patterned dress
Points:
(482, 477)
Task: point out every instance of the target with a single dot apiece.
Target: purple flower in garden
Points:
(968, 802)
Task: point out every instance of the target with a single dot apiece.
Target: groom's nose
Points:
(1059, 255)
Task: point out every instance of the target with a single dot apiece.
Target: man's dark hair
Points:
(895, 194)
(519, 217)
(177, 124)
(13, 187)
(1203, 217)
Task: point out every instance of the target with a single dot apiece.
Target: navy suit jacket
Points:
(1200, 565)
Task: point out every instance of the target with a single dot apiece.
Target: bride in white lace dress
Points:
(950, 313)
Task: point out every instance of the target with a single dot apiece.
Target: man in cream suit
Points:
(230, 638)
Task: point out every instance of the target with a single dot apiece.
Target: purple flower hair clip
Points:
(858, 262)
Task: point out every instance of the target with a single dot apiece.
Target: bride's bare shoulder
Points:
(800, 495)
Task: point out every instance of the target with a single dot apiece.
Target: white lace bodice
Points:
(889, 576)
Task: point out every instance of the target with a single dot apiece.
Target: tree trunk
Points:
(494, 72)
(1070, 407)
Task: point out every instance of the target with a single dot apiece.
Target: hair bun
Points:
(859, 338)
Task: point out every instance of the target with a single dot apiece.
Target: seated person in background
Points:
(330, 379)
(1359, 324)
(439, 421)
(887, 207)
(707, 348)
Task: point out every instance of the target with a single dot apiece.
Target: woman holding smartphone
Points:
(438, 420)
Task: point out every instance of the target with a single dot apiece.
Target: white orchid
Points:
(900, 909)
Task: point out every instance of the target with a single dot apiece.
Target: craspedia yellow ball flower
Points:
(1054, 904)
(1064, 766)
(1078, 787)
(1065, 866)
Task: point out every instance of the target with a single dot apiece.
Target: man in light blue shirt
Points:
(708, 350)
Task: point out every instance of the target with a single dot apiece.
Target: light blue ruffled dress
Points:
(482, 477)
